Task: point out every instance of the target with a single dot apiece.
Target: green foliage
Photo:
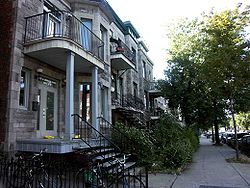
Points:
(167, 146)
(208, 65)
(175, 144)
(137, 142)
(243, 120)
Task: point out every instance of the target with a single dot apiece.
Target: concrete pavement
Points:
(208, 170)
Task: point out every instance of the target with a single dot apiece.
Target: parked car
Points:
(228, 137)
(244, 145)
(239, 137)
(208, 134)
(223, 137)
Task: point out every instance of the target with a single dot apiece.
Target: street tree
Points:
(209, 67)
(226, 58)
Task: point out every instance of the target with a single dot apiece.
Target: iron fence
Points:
(72, 175)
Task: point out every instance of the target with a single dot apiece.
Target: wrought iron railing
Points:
(153, 86)
(121, 139)
(127, 101)
(71, 173)
(62, 24)
(119, 47)
(91, 136)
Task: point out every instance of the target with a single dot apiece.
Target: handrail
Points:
(80, 130)
(124, 140)
(63, 24)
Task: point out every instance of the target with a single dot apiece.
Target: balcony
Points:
(128, 102)
(49, 36)
(121, 56)
(152, 88)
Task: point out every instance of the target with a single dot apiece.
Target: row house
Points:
(62, 59)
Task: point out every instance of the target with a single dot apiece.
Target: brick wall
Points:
(6, 24)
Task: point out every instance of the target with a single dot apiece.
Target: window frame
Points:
(26, 89)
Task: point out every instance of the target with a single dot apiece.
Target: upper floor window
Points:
(144, 69)
(145, 99)
(52, 20)
(111, 33)
(24, 89)
(149, 75)
(85, 34)
(134, 55)
(135, 87)
(103, 36)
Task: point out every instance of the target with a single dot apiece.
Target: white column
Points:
(69, 107)
(94, 103)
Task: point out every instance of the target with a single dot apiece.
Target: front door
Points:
(48, 111)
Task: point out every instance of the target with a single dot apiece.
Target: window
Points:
(121, 86)
(149, 75)
(24, 89)
(103, 36)
(103, 103)
(144, 69)
(111, 33)
(85, 34)
(135, 89)
(114, 83)
(145, 99)
(85, 101)
(52, 20)
(134, 56)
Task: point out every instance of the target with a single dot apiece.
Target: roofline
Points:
(128, 24)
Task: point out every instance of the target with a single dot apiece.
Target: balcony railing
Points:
(118, 47)
(153, 86)
(127, 101)
(62, 24)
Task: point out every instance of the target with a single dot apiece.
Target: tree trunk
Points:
(216, 130)
(216, 125)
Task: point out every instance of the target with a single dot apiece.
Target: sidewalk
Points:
(208, 170)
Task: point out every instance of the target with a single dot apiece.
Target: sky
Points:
(150, 18)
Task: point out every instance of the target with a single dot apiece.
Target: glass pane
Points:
(85, 101)
(85, 34)
(22, 89)
(39, 110)
(50, 116)
(53, 26)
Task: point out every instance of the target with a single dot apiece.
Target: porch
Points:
(57, 146)
(61, 40)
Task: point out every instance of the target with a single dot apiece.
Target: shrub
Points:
(167, 146)
(138, 142)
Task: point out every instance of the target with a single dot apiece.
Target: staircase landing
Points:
(53, 145)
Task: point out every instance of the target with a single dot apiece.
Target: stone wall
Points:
(6, 24)
(16, 118)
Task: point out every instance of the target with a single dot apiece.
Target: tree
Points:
(226, 55)
(243, 120)
(209, 59)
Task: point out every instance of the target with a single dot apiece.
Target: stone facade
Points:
(16, 122)
(6, 37)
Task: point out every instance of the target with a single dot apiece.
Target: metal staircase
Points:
(131, 108)
(100, 148)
